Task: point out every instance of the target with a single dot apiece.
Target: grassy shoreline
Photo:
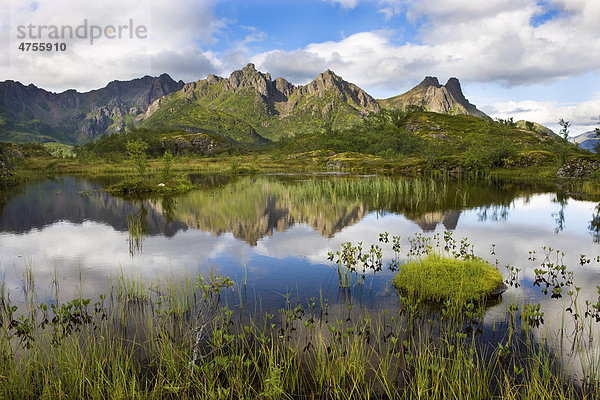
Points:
(260, 163)
(180, 342)
(192, 339)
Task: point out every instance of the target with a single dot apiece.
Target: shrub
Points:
(136, 151)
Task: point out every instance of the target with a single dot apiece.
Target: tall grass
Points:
(135, 227)
(172, 343)
(438, 278)
(184, 340)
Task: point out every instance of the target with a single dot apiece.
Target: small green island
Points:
(163, 183)
(436, 278)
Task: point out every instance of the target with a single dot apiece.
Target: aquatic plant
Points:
(352, 260)
(189, 339)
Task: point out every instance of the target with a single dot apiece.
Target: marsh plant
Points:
(437, 278)
(190, 339)
(135, 228)
(352, 260)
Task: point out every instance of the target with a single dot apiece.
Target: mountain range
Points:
(28, 113)
(587, 140)
(248, 107)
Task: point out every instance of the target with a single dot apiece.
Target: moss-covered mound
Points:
(144, 186)
(437, 278)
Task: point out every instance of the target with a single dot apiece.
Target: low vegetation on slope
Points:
(437, 141)
(400, 141)
(113, 147)
(180, 114)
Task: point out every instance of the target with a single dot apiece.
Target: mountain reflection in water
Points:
(251, 208)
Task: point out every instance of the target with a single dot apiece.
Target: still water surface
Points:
(276, 231)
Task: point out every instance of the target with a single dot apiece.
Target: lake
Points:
(271, 234)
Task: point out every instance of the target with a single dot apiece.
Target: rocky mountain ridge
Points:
(74, 117)
(248, 107)
(432, 96)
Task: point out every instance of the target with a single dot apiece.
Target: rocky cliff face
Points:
(250, 98)
(578, 168)
(432, 96)
(74, 117)
(349, 92)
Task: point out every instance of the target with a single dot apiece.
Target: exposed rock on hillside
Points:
(578, 168)
(198, 143)
(429, 94)
(349, 92)
(74, 117)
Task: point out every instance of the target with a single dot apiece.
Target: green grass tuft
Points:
(437, 278)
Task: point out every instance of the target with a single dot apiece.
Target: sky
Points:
(537, 60)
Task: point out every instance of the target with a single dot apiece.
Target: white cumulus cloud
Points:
(176, 33)
(584, 116)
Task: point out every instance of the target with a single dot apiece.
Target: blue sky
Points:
(291, 25)
(526, 59)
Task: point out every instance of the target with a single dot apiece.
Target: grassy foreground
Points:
(179, 342)
(190, 340)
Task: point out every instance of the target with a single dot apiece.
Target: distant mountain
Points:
(250, 106)
(429, 94)
(28, 113)
(587, 140)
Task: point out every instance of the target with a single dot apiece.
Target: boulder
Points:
(578, 168)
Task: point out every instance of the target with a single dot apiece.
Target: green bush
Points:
(136, 151)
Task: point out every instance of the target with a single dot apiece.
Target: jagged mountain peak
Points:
(145, 81)
(276, 92)
(453, 81)
(246, 78)
(429, 81)
(330, 79)
(328, 82)
(329, 73)
(446, 99)
(453, 87)
(252, 101)
(250, 67)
